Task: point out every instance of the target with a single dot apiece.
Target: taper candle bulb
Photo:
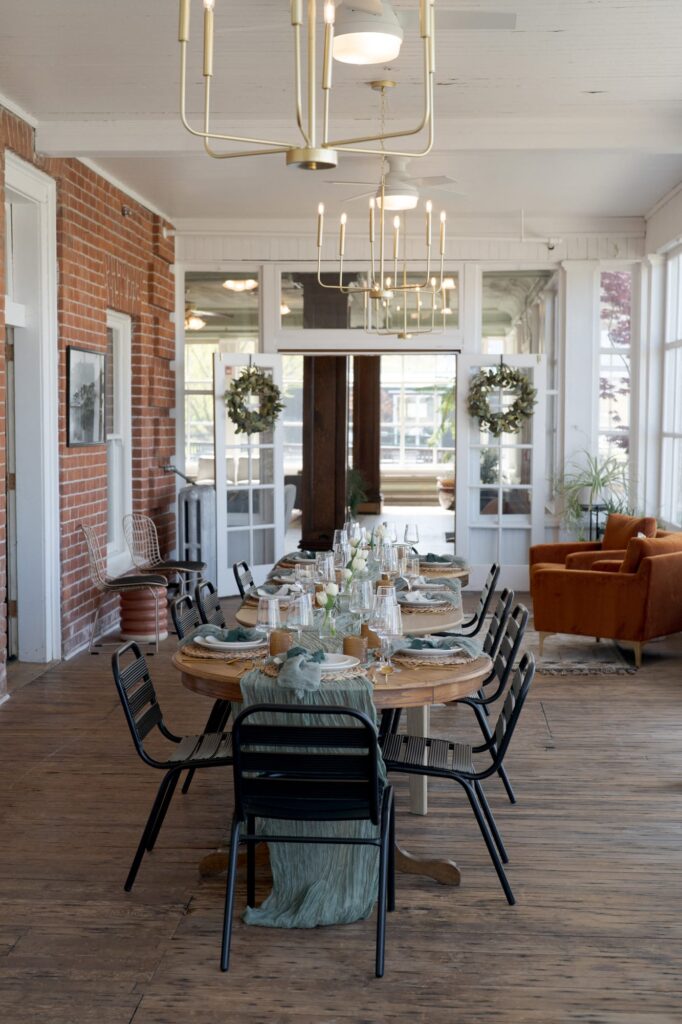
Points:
(371, 219)
(320, 221)
(342, 234)
(329, 12)
(396, 236)
(209, 4)
(443, 218)
(429, 208)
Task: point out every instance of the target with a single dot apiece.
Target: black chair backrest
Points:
(498, 623)
(305, 772)
(488, 592)
(138, 697)
(185, 615)
(510, 643)
(242, 575)
(513, 704)
(208, 603)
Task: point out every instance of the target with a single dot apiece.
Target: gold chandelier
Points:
(315, 150)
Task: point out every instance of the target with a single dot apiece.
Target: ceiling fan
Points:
(401, 189)
(194, 318)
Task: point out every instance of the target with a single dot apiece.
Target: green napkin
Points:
(445, 559)
(300, 670)
(445, 643)
(237, 635)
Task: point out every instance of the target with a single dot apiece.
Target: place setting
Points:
(436, 650)
(237, 644)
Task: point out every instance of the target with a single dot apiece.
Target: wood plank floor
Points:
(595, 845)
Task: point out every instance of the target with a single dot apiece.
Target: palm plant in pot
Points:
(589, 481)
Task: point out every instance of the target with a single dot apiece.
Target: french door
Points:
(249, 480)
(500, 480)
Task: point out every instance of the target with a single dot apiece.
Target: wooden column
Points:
(325, 428)
(367, 428)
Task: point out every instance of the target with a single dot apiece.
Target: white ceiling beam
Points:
(112, 137)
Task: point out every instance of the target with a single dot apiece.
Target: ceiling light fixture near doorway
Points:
(248, 284)
(367, 27)
(193, 322)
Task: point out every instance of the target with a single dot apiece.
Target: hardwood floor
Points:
(595, 844)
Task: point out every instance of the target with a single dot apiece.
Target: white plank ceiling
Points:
(576, 112)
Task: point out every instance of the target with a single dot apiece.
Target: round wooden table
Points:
(417, 623)
(413, 688)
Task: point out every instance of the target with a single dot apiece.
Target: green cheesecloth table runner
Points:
(315, 884)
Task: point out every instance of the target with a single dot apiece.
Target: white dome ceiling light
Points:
(366, 32)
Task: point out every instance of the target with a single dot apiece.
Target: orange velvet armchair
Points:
(632, 599)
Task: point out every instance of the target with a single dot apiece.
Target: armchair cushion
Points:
(639, 548)
(587, 559)
(620, 529)
(607, 565)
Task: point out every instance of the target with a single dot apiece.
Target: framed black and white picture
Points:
(85, 390)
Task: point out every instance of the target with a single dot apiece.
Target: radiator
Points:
(197, 528)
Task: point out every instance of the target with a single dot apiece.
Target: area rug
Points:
(566, 655)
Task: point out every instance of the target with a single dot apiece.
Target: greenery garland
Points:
(501, 378)
(253, 421)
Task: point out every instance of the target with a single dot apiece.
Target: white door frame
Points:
(38, 534)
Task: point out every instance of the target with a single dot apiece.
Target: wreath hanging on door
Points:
(249, 416)
(501, 378)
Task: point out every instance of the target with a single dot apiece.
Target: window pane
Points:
(515, 306)
(615, 313)
(615, 331)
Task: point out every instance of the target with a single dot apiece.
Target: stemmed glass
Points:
(386, 621)
(411, 570)
(361, 597)
(300, 615)
(391, 533)
(389, 560)
(324, 564)
(412, 534)
(268, 616)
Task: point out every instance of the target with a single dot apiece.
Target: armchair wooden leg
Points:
(543, 637)
(638, 648)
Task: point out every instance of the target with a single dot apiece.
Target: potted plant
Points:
(589, 481)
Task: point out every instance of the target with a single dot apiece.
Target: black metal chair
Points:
(243, 577)
(186, 617)
(143, 714)
(446, 759)
(208, 603)
(474, 625)
(309, 773)
(494, 686)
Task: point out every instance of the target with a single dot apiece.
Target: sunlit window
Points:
(671, 442)
(615, 331)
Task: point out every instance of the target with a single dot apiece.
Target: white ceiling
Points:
(576, 112)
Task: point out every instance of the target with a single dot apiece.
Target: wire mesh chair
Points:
(208, 603)
(243, 577)
(185, 616)
(106, 584)
(473, 625)
(142, 539)
(446, 759)
(143, 714)
(297, 772)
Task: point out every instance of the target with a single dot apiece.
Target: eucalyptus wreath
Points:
(253, 421)
(501, 378)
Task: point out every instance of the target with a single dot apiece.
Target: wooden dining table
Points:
(415, 689)
(417, 623)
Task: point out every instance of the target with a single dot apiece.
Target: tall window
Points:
(221, 315)
(117, 382)
(615, 335)
(417, 411)
(514, 306)
(671, 442)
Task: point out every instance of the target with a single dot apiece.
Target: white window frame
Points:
(118, 556)
(633, 353)
(672, 341)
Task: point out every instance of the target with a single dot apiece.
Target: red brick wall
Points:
(107, 259)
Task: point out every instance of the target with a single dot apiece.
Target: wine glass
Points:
(300, 615)
(387, 590)
(411, 570)
(412, 534)
(385, 620)
(361, 597)
(340, 539)
(391, 532)
(389, 560)
(268, 616)
(324, 564)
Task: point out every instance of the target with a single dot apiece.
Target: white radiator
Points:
(196, 527)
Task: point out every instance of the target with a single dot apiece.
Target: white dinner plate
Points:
(338, 662)
(222, 645)
(429, 652)
(428, 602)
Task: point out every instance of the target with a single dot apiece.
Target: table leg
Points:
(418, 725)
(441, 870)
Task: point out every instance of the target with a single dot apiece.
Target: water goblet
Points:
(300, 615)
(268, 616)
(411, 570)
(412, 534)
(361, 597)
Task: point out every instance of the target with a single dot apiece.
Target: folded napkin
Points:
(236, 635)
(424, 596)
(444, 643)
(300, 670)
(430, 558)
(272, 590)
(299, 556)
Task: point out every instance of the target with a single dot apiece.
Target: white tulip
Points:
(359, 564)
(354, 541)
(347, 573)
(332, 589)
(321, 599)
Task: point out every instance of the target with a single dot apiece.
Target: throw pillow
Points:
(639, 549)
(621, 529)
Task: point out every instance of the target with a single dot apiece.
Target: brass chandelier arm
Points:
(297, 79)
(281, 147)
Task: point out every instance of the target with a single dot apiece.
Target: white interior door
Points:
(249, 480)
(500, 480)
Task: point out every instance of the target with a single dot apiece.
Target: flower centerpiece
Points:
(326, 599)
(376, 537)
(357, 563)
